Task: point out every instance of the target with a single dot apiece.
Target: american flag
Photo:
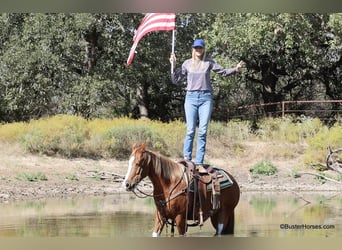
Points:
(151, 22)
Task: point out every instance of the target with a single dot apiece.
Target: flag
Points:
(151, 22)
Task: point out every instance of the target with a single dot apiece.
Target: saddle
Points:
(210, 175)
(206, 179)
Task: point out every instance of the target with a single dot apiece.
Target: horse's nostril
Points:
(128, 187)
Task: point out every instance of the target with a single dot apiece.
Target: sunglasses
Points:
(198, 47)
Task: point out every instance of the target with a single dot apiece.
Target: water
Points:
(123, 215)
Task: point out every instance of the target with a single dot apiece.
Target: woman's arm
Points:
(217, 68)
(178, 74)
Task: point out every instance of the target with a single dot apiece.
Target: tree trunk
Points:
(269, 94)
(142, 99)
(90, 50)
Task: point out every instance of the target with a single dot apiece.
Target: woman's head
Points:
(198, 49)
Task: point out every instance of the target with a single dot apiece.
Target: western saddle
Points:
(202, 179)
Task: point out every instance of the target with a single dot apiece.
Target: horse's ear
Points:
(143, 147)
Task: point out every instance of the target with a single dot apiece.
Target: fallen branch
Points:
(299, 196)
(104, 175)
(319, 175)
(333, 160)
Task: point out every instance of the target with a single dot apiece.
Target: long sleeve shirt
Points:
(198, 74)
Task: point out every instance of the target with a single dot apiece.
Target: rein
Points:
(171, 197)
(162, 202)
(141, 194)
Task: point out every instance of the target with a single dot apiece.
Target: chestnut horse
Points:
(172, 195)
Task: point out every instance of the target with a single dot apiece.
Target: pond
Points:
(259, 214)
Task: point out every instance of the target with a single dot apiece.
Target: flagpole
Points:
(173, 48)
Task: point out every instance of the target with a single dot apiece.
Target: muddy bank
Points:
(93, 182)
(67, 178)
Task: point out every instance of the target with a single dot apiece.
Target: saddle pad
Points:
(225, 180)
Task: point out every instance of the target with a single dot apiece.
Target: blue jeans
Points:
(198, 106)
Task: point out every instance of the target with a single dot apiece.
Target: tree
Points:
(62, 63)
(285, 54)
(75, 63)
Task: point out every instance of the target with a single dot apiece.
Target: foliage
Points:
(118, 140)
(264, 167)
(74, 63)
(33, 177)
(62, 135)
(72, 177)
(74, 136)
(288, 56)
(290, 129)
(318, 143)
(232, 130)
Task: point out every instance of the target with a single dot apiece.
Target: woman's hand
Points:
(172, 59)
(239, 66)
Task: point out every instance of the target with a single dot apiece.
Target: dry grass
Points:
(74, 137)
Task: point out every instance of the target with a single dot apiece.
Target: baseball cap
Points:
(198, 43)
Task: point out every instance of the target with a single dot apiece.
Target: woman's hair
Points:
(195, 65)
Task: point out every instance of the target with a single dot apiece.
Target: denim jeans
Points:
(198, 106)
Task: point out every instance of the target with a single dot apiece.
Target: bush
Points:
(63, 135)
(73, 136)
(288, 129)
(118, 141)
(264, 167)
(316, 151)
(11, 132)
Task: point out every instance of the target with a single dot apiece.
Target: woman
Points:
(198, 101)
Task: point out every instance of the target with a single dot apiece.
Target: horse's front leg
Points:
(158, 224)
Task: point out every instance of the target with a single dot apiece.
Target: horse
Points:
(173, 197)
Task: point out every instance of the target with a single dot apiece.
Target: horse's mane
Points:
(163, 166)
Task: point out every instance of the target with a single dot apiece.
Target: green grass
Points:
(264, 167)
(72, 177)
(32, 177)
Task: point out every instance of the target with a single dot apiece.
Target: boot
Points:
(201, 169)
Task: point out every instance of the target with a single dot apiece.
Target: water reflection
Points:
(122, 215)
(290, 215)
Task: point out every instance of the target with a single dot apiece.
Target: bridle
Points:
(162, 202)
(137, 180)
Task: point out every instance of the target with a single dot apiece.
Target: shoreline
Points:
(80, 177)
(34, 191)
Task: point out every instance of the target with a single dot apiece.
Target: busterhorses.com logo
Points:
(305, 227)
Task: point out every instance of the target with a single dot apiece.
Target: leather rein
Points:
(171, 197)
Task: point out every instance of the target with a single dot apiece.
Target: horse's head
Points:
(137, 167)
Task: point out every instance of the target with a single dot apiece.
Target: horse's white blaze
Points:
(130, 165)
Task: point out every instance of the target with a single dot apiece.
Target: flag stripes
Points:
(151, 22)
